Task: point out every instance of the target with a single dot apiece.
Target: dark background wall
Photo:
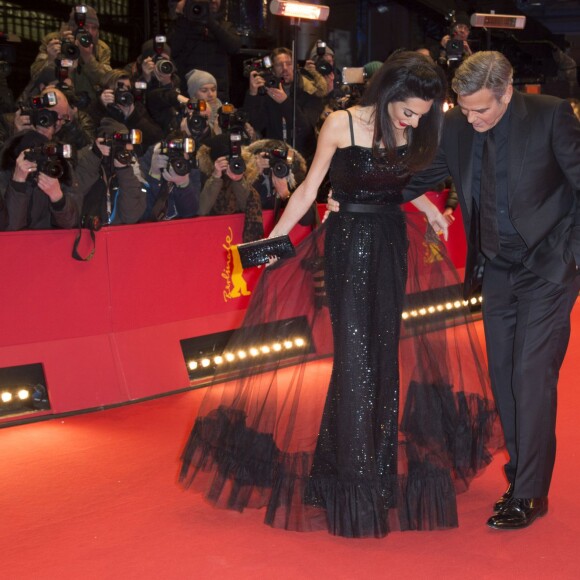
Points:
(359, 30)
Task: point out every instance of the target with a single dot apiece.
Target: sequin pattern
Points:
(355, 462)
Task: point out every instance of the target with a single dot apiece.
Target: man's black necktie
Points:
(489, 237)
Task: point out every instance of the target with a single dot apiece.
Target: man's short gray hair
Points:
(483, 70)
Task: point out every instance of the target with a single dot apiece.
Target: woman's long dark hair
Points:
(406, 75)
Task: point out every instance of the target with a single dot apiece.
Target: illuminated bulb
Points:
(218, 360)
(254, 351)
(299, 342)
(287, 344)
(23, 394)
(457, 304)
(422, 311)
(6, 397)
(473, 300)
(440, 307)
(265, 349)
(192, 365)
(449, 306)
(405, 315)
(205, 362)
(414, 313)
(242, 354)
(230, 357)
(277, 347)
(431, 309)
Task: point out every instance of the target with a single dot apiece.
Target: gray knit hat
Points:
(196, 79)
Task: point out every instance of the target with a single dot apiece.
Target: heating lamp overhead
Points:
(300, 10)
(498, 21)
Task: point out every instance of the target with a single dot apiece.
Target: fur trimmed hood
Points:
(218, 146)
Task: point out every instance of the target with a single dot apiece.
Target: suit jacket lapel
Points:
(519, 134)
(465, 161)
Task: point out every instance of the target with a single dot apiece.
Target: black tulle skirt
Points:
(386, 413)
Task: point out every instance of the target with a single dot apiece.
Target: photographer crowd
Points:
(88, 145)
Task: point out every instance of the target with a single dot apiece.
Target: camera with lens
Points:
(196, 10)
(322, 65)
(50, 158)
(38, 111)
(281, 159)
(236, 162)
(454, 50)
(69, 49)
(123, 96)
(192, 109)
(118, 143)
(175, 150)
(263, 67)
(231, 119)
(162, 64)
(63, 67)
(84, 37)
(91, 222)
(139, 90)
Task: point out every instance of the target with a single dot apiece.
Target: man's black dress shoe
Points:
(509, 492)
(519, 513)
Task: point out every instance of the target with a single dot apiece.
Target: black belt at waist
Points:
(368, 207)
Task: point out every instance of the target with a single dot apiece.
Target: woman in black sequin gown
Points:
(360, 465)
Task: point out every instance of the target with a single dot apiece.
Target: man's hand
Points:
(51, 187)
(53, 49)
(262, 161)
(158, 162)
(256, 81)
(21, 122)
(23, 168)
(277, 94)
(219, 166)
(147, 67)
(104, 149)
(281, 186)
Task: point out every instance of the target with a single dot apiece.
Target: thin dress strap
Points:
(351, 127)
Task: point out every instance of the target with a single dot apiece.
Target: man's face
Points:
(461, 31)
(483, 110)
(62, 109)
(93, 29)
(282, 66)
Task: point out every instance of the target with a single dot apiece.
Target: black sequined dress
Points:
(383, 435)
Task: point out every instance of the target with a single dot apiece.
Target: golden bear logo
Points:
(233, 273)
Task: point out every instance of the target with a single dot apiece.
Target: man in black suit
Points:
(515, 160)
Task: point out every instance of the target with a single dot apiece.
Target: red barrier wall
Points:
(108, 330)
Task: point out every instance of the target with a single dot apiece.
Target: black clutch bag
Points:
(260, 251)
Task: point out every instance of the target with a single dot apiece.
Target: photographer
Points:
(173, 180)
(455, 46)
(120, 101)
(114, 195)
(227, 189)
(39, 184)
(274, 170)
(79, 41)
(323, 57)
(203, 39)
(270, 105)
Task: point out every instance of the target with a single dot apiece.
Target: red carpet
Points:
(95, 496)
